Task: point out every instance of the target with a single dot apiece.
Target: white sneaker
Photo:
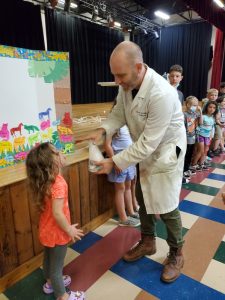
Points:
(135, 215)
(130, 222)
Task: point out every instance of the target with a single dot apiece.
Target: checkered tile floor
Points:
(96, 267)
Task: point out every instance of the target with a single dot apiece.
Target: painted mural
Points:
(27, 105)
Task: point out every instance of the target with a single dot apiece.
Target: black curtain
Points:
(20, 25)
(209, 11)
(187, 45)
(90, 46)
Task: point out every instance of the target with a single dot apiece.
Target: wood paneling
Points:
(84, 193)
(19, 200)
(34, 219)
(8, 249)
(74, 194)
(94, 195)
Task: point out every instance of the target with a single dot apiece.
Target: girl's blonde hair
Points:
(210, 91)
(42, 168)
(190, 98)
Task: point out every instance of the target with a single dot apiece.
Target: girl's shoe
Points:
(185, 180)
(130, 222)
(135, 215)
(47, 288)
(78, 295)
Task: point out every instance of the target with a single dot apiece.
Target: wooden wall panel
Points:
(74, 194)
(110, 193)
(34, 219)
(84, 192)
(101, 193)
(19, 200)
(8, 249)
(94, 195)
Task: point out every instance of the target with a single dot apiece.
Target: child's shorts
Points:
(125, 175)
(205, 140)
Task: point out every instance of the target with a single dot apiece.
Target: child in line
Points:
(204, 135)
(122, 179)
(222, 89)
(192, 118)
(175, 76)
(50, 192)
(212, 95)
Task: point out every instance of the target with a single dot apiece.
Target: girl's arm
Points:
(61, 220)
(200, 120)
(218, 118)
(108, 146)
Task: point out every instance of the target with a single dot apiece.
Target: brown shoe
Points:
(173, 265)
(146, 246)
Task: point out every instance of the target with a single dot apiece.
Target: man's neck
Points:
(142, 75)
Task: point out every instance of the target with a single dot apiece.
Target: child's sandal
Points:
(78, 295)
(47, 288)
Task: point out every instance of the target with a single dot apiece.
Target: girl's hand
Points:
(75, 233)
(117, 170)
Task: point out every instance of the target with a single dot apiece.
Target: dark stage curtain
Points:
(217, 60)
(90, 46)
(20, 25)
(187, 45)
(209, 11)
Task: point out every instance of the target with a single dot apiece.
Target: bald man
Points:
(150, 107)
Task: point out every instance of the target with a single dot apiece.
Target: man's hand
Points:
(106, 166)
(95, 136)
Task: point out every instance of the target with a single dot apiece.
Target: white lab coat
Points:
(155, 120)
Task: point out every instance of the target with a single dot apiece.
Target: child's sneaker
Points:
(135, 215)
(187, 174)
(207, 164)
(208, 158)
(204, 167)
(185, 180)
(47, 288)
(192, 172)
(130, 222)
(195, 168)
(78, 295)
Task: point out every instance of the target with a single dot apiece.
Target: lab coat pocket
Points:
(165, 159)
(163, 192)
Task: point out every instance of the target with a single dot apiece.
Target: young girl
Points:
(50, 192)
(122, 179)
(204, 135)
(192, 118)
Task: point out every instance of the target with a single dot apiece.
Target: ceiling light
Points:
(161, 15)
(94, 13)
(219, 3)
(73, 5)
(156, 35)
(117, 24)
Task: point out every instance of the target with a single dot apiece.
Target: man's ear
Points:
(139, 67)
